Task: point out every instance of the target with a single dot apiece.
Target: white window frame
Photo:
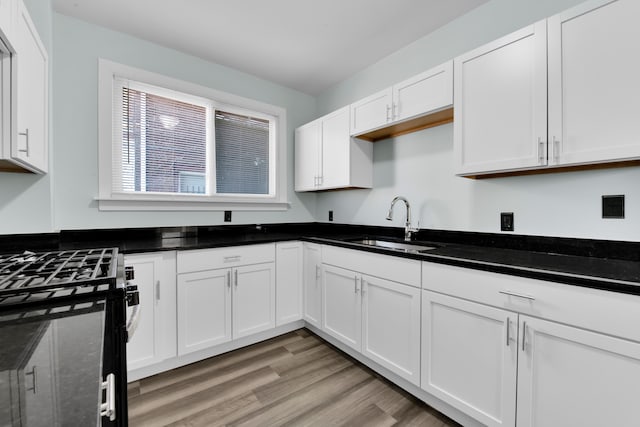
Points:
(109, 200)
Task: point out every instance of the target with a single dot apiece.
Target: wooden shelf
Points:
(412, 125)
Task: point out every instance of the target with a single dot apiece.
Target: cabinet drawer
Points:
(384, 266)
(208, 259)
(601, 311)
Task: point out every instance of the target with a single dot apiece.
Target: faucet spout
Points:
(407, 227)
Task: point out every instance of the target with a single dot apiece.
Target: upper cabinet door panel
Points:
(428, 91)
(7, 18)
(593, 83)
(335, 149)
(371, 112)
(500, 116)
(307, 156)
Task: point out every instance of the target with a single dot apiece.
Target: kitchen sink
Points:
(395, 246)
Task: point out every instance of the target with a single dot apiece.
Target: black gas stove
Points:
(63, 330)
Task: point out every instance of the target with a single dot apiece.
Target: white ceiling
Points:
(307, 45)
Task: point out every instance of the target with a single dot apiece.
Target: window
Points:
(173, 145)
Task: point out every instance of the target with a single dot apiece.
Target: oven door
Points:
(51, 365)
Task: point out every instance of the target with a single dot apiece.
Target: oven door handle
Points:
(132, 323)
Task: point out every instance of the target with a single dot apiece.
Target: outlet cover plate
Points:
(506, 221)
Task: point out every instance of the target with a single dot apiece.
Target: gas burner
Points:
(31, 272)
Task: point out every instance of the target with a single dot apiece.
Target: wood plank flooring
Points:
(296, 379)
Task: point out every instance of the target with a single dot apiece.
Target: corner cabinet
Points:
(312, 285)
(506, 122)
(289, 278)
(25, 76)
(327, 158)
(154, 339)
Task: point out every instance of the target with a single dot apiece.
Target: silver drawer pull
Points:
(517, 295)
(233, 258)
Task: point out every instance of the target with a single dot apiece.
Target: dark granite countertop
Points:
(601, 264)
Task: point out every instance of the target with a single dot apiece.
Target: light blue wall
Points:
(420, 165)
(77, 47)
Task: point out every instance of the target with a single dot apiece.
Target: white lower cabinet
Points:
(342, 307)
(204, 309)
(512, 351)
(469, 357)
(312, 285)
(391, 326)
(154, 339)
(253, 296)
(571, 377)
(224, 294)
(289, 279)
(375, 316)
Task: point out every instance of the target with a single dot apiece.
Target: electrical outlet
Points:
(506, 221)
(330, 215)
(613, 206)
(227, 216)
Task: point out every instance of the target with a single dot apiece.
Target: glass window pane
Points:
(242, 154)
(164, 144)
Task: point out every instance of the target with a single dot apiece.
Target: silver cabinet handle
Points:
(158, 290)
(508, 327)
(388, 111)
(394, 111)
(235, 274)
(25, 134)
(317, 271)
(229, 279)
(517, 295)
(541, 156)
(524, 334)
(556, 148)
(34, 373)
(355, 284)
(108, 407)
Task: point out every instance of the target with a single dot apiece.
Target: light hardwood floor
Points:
(296, 379)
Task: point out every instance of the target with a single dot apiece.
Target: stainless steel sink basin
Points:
(396, 246)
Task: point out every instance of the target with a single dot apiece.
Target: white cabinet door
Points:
(289, 278)
(500, 115)
(204, 309)
(336, 159)
(428, 91)
(469, 357)
(7, 19)
(312, 307)
(371, 112)
(342, 306)
(254, 305)
(391, 326)
(155, 337)
(572, 377)
(307, 156)
(593, 83)
(32, 74)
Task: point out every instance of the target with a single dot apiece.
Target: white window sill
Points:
(128, 204)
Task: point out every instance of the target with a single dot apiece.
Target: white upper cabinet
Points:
(308, 146)
(372, 112)
(503, 119)
(426, 92)
(500, 115)
(593, 83)
(327, 157)
(423, 94)
(7, 19)
(24, 79)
